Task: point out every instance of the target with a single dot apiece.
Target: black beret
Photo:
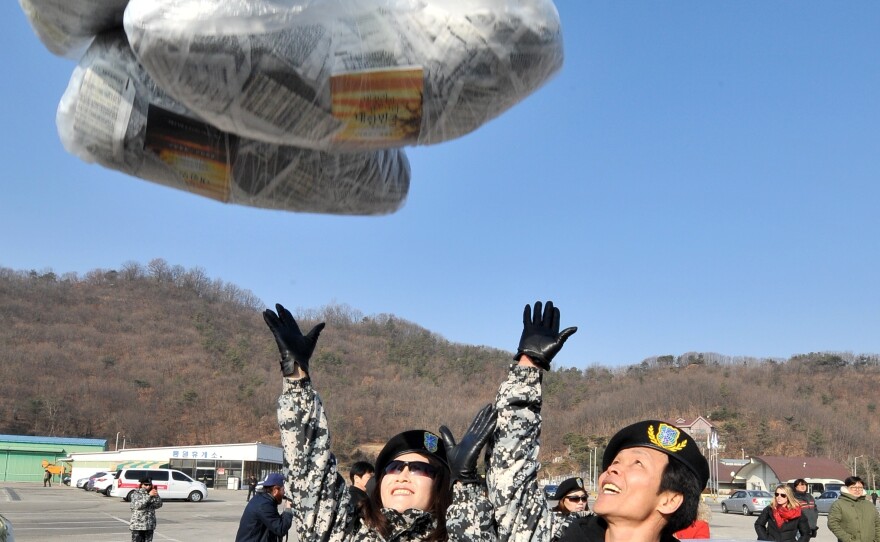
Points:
(416, 441)
(664, 437)
(567, 486)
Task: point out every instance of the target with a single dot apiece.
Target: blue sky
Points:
(700, 176)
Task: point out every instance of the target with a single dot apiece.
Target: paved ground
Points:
(737, 526)
(73, 515)
(67, 514)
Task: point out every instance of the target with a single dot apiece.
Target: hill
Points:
(167, 355)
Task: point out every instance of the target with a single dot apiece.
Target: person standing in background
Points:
(852, 518)
(144, 502)
(359, 474)
(261, 521)
(782, 520)
(808, 505)
(252, 487)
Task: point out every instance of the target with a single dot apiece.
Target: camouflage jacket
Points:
(143, 510)
(521, 511)
(563, 522)
(320, 495)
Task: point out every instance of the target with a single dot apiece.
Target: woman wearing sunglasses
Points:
(571, 509)
(783, 520)
(426, 489)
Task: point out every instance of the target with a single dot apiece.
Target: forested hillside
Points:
(168, 355)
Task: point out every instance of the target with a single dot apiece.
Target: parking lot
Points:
(73, 515)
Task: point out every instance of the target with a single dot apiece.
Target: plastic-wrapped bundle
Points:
(112, 113)
(347, 74)
(66, 27)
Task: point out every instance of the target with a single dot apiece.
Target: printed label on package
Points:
(201, 154)
(383, 106)
(103, 109)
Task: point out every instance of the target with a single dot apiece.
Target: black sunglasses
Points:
(577, 498)
(418, 468)
(781, 495)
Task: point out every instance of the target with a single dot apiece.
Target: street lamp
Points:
(855, 465)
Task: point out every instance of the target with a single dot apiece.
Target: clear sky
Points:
(700, 176)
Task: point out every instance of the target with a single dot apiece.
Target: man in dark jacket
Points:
(261, 521)
(808, 505)
(252, 487)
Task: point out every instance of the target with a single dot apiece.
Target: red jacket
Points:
(697, 529)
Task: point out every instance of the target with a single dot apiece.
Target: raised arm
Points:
(521, 512)
(470, 517)
(318, 491)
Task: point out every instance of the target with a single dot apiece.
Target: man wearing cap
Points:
(653, 471)
(653, 476)
(261, 521)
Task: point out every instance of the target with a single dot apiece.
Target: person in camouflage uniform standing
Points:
(144, 502)
(653, 471)
(426, 488)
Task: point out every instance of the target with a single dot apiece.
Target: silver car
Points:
(825, 500)
(749, 502)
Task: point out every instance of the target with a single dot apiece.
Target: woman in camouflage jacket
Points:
(424, 506)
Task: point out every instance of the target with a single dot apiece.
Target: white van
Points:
(170, 483)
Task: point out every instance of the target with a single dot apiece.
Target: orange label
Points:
(198, 152)
(380, 106)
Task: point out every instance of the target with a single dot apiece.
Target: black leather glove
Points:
(541, 339)
(463, 457)
(293, 345)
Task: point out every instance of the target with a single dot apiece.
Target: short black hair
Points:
(360, 468)
(680, 479)
(853, 480)
(798, 482)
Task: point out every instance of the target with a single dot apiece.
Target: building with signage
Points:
(219, 466)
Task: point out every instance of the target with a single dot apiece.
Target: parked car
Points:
(170, 483)
(825, 500)
(84, 482)
(102, 484)
(89, 483)
(750, 501)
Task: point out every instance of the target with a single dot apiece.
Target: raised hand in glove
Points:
(541, 339)
(295, 348)
(463, 456)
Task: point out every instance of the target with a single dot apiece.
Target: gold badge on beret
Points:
(667, 438)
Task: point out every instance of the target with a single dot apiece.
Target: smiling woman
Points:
(426, 489)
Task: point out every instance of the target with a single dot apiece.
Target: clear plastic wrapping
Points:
(66, 27)
(112, 113)
(347, 74)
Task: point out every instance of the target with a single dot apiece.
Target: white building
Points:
(219, 466)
